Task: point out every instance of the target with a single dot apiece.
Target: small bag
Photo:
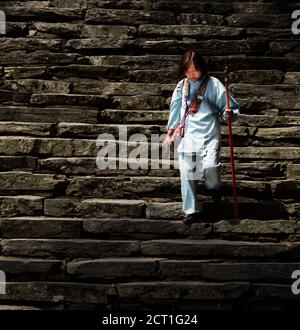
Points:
(194, 107)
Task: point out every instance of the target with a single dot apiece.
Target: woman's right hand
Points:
(168, 140)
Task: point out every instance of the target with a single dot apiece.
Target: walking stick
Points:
(235, 205)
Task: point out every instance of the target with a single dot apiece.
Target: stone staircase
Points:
(74, 236)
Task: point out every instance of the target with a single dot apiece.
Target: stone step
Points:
(216, 63)
(66, 147)
(243, 136)
(27, 13)
(24, 268)
(25, 182)
(219, 270)
(18, 307)
(101, 67)
(68, 248)
(18, 163)
(219, 249)
(84, 77)
(175, 248)
(115, 116)
(147, 229)
(195, 294)
(21, 205)
(32, 115)
(260, 170)
(166, 187)
(159, 208)
(96, 294)
(40, 227)
(40, 57)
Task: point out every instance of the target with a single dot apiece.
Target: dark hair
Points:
(189, 57)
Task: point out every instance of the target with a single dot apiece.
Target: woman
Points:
(199, 148)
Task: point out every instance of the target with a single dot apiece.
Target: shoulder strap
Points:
(202, 87)
(186, 87)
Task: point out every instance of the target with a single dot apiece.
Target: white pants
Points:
(193, 167)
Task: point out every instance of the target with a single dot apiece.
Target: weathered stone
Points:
(293, 171)
(104, 43)
(21, 308)
(38, 129)
(286, 189)
(268, 21)
(217, 249)
(138, 102)
(20, 163)
(49, 115)
(274, 291)
(266, 91)
(25, 4)
(39, 228)
(26, 265)
(19, 44)
(59, 207)
(292, 78)
(153, 62)
(187, 290)
(78, 72)
(200, 18)
(255, 77)
(39, 57)
(58, 292)
(191, 6)
(45, 14)
(16, 29)
(20, 205)
(7, 97)
(237, 271)
(134, 116)
(189, 30)
(69, 30)
(86, 166)
(264, 210)
(114, 267)
(110, 208)
(27, 181)
(260, 7)
(68, 248)
(22, 72)
(108, 31)
(257, 227)
(68, 3)
(104, 16)
(168, 210)
(264, 153)
(293, 209)
(106, 187)
(284, 48)
(68, 99)
(38, 86)
(287, 120)
(130, 227)
(221, 47)
(126, 4)
(182, 268)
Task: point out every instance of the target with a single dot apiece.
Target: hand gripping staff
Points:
(235, 204)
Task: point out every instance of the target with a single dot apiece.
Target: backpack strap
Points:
(186, 88)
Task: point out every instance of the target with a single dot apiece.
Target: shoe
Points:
(193, 218)
(216, 195)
